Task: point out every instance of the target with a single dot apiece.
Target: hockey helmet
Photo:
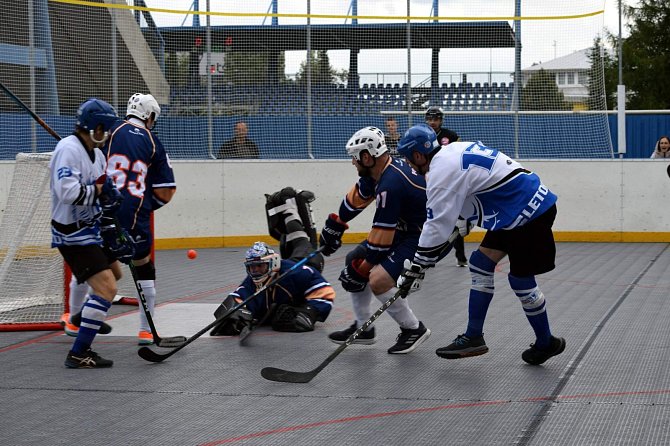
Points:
(261, 262)
(94, 112)
(419, 138)
(434, 112)
(370, 139)
(142, 106)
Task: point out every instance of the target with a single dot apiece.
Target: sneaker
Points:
(535, 356)
(462, 347)
(340, 337)
(462, 263)
(409, 339)
(105, 328)
(145, 338)
(87, 360)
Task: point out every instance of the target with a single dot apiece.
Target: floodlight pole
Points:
(210, 123)
(409, 69)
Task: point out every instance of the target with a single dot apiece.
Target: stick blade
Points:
(244, 334)
(286, 376)
(171, 341)
(149, 355)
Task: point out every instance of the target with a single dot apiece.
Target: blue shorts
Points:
(404, 246)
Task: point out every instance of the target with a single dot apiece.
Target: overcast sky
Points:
(542, 40)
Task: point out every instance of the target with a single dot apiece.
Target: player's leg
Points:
(482, 267)
(459, 250)
(361, 306)
(290, 221)
(78, 295)
(145, 272)
(90, 264)
(533, 252)
(383, 278)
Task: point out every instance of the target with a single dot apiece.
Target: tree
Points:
(322, 72)
(250, 68)
(602, 82)
(645, 56)
(542, 93)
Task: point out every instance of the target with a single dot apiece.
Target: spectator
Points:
(662, 149)
(240, 146)
(392, 136)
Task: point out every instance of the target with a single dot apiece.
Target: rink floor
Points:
(610, 386)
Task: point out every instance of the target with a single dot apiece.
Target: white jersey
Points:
(75, 211)
(482, 185)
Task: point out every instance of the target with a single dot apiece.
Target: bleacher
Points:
(290, 99)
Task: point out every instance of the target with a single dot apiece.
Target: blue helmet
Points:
(94, 112)
(419, 138)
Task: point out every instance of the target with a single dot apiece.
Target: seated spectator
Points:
(392, 136)
(240, 146)
(662, 149)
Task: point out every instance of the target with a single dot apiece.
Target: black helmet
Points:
(434, 112)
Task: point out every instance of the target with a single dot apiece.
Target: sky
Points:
(542, 40)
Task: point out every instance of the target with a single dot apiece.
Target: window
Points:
(561, 78)
(583, 78)
(571, 78)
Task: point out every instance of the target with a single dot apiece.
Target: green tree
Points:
(541, 93)
(322, 72)
(602, 82)
(646, 55)
(249, 68)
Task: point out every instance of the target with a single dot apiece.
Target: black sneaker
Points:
(340, 337)
(105, 328)
(87, 360)
(409, 339)
(462, 347)
(535, 356)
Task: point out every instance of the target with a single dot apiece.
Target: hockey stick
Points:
(39, 120)
(287, 376)
(248, 329)
(149, 355)
(668, 170)
(167, 342)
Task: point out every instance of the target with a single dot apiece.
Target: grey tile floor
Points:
(611, 386)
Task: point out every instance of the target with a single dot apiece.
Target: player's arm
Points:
(161, 177)
(67, 187)
(318, 292)
(162, 196)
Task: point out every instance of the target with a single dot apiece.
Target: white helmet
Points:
(142, 106)
(261, 255)
(368, 138)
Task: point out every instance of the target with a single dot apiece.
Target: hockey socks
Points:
(361, 305)
(78, 293)
(92, 315)
(149, 290)
(399, 310)
(481, 292)
(532, 301)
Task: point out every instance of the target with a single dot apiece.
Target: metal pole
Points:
(309, 81)
(31, 37)
(517, 75)
(210, 123)
(621, 97)
(115, 62)
(409, 69)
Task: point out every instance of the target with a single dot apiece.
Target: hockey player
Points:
(84, 202)
(141, 170)
(293, 304)
(434, 118)
(496, 193)
(372, 267)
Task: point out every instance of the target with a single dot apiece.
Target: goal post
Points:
(32, 286)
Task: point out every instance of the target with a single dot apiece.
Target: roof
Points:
(338, 37)
(579, 60)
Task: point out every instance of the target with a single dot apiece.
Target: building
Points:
(571, 73)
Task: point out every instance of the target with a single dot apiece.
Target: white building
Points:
(571, 73)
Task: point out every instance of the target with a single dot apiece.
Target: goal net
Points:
(34, 279)
(32, 294)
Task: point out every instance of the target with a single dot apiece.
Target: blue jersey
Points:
(139, 164)
(304, 285)
(400, 197)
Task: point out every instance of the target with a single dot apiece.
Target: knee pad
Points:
(531, 297)
(481, 270)
(146, 271)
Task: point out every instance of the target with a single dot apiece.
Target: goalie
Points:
(293, 304)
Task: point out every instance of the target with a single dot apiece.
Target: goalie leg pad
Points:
(233, 325)
(289, 213)
(296, 319)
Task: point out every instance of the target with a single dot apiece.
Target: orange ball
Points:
(192, 254)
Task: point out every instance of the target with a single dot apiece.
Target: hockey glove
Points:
(353, 280)
(110, 198)
(296, 319)
(463, 226)
(235, 322)
(121, 245)
(411, 277)
(331, 235)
